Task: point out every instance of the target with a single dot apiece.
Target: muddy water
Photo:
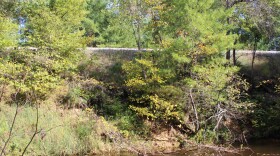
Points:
(265, 147)
(258, 148)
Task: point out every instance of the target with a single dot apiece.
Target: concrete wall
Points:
(266, 66)
(267, 63)
(124, 53)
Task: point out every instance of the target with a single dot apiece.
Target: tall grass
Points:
(60, 131)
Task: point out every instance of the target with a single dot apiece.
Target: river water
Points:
(257, 148)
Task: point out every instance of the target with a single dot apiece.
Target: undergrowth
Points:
(61, 132)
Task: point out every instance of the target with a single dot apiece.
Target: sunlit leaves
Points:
(8, 32)
(56, 27)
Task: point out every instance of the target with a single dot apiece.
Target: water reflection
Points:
(258, 148)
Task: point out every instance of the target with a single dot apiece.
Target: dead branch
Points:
(195, 111)
(220, 116)
(221, 149)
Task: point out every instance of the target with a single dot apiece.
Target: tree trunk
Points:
(228, 55)
(138, 36)
(234, 56)
(139, 24)
(228, 52)
(135, 25)
(252, 64)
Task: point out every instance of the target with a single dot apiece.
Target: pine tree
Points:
(191, 66)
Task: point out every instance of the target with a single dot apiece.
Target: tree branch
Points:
(35, 132)
(11, 129)
(195, 111)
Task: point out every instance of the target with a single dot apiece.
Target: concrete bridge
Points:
(267, 63)
(89, 50)
(130, 53)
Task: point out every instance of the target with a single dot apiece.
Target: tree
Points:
(55, 24)
(55, 28)
(190, 63)
(97, 20)
(197, 51)
(123, 23)
(259, 31)
(7, 7)
(8, 32)
(134, 16)
(8, 39)
(256, 23)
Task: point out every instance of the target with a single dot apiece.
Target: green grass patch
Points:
(60, 131)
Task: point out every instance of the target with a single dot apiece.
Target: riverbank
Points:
(82, 132)
(74, 131)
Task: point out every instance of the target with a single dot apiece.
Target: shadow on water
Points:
(257, 148)
(265, 147)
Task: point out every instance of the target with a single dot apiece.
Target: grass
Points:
(61, 131)
(68, 132)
